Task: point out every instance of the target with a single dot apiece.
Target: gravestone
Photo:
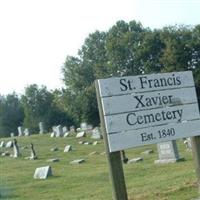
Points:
(68, 148)
(26, 132)
(41, 127)
(188, 144)
(96, 133)
(64, 129)
(167, 152)
(81, 134)
(33, 154)
(77, 161)
(2, 144)
(135, 160)
(83, 126)
(53, 134)
(20, 131)
(149, 151)
(42, 172)
(53, 160)
(54, 149)
(72, 129)
(59, 131)
(66, 134)
(9, 144)
(16, 152)
(12, 135)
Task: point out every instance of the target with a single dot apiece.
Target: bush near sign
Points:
(148, 109)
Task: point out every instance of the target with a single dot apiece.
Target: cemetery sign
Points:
(148, 109)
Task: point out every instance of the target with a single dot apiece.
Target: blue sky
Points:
(37, 35)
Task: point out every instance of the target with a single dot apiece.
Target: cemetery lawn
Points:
(90, 180)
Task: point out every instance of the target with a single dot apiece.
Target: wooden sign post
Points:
(142, 110)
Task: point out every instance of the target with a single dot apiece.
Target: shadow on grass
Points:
(6, 193)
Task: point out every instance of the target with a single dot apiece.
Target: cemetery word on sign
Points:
(148, 109)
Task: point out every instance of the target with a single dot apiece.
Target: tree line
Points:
(125, 49)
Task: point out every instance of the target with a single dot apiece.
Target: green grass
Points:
(90, 180)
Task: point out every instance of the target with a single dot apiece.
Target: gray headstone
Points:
(54, 149)
(66, 134)
(72, 129)
(42, 172)
(168, 152)
(64, 129)
(20, 131)
(59, 131)
(9, 144)
(6, 153)
(68, 148)
(41, 127)
(81, 134)
(188, 144)
(78, 161)
(16, 152)
(26, 132)
(33, 154)
(135, 160)
(53, 134)
(2, 144)
(83, 126)
(12, 135)
(149, 151)
(96, 133)
(53, 160)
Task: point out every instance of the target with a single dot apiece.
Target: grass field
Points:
(90, 180)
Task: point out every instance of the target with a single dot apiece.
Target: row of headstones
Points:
(26, 132)
(167, 151)
(16, 151)
(59, 131)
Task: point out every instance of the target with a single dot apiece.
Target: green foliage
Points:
(40, 105)
(127, 49)
(11, 114)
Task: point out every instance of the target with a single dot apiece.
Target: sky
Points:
(36, 36)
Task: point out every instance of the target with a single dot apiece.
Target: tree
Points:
(11, 114)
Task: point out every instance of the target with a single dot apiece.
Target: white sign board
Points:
(148, 109)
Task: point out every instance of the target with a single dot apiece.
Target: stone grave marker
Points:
(42, 172)
(53, 160)
(77, 161)
(16, 152)
(59, 131)
(64, 129)
(168, 152)
(81, 134)
(68, 148)
(20, 131)
(41, 127)
(66, 134)
(2, 144)
(188, 144)
(9, 144)
(33, 154)
(53, 134)
(96, 133)
(12, 135)
(26, 132)
(135, 160)
(54, 149)
(149, 151)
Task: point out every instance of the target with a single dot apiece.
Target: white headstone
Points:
(96, 133)
(16, 152)
(65, 129)
(78, 161)
(26, 132)
(81, 134)
(9, 144)
(68, 148)
(2, 144)
(42, 172)
(41, 127)
(59, 131)
(20, 131)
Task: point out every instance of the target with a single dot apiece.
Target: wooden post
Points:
(114, 158)
(196, 156)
